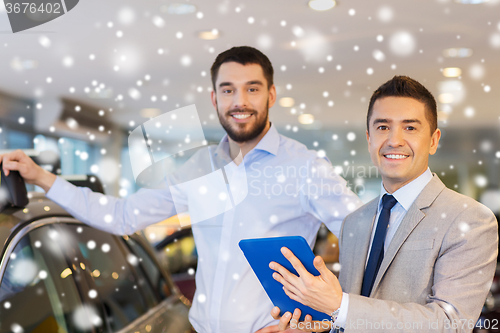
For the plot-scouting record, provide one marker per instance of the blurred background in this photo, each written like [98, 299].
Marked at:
[76, 86]
[73, 89]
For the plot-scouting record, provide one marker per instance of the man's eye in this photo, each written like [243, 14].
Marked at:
[382, 127]
[227, 91]
[410, 128]
[252, 89]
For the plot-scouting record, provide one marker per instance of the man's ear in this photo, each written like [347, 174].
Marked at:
[213, 97]
[435, 141]
[272, 96]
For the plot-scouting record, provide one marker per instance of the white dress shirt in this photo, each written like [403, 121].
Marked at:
[290, 192]
[405, 196]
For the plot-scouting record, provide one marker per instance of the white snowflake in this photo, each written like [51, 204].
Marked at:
[402, 43]
[133, 260]
[24, 271]
[44, 41]
[105, 248]
[85, 317]
[385, 14]
[202, 298]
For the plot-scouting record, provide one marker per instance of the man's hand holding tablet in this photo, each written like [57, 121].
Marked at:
[307, 289]
[291, 321]
[294, 282]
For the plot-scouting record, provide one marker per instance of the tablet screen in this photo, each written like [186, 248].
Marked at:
[261, 251]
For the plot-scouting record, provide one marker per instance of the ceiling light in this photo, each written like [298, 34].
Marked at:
[446, 98]
[471, 2]
[150, 113]
[457, 52]
[452, 72]
[306, 119]
[178, 8]
[287, 102]
[20, 65]
[321, 5]
[209, 34]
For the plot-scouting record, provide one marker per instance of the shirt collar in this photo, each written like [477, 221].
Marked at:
[270, 142]
[408, 193]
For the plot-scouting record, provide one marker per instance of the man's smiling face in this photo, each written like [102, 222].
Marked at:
[400, 140]
[242, 99]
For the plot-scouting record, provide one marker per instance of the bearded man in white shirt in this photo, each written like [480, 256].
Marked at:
[291, 191]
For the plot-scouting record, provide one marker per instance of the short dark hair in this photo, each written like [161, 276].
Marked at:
[404, 86]
[243, 55]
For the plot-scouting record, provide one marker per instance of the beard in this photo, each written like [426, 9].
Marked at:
[237, 132]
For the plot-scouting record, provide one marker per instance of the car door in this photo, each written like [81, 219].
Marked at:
[40, 289]
[172, 312]
[129, 298]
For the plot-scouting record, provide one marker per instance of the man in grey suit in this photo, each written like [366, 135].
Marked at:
[420, 257]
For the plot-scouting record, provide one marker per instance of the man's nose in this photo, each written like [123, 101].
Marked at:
[240, 100]
[396, 138]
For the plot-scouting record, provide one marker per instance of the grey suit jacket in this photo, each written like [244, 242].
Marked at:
[436, 272]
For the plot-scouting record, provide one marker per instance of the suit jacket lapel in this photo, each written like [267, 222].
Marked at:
[359, 248]
[408, 224]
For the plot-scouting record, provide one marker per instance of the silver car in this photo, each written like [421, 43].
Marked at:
[59, 275]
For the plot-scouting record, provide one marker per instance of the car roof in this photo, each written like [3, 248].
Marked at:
[14, 219]
[15, 213]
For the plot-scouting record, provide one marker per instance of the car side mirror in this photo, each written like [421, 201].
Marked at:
[12, 190]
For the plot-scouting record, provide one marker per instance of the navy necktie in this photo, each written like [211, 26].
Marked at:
[377, 250]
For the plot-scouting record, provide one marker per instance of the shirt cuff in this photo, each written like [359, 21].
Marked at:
[57, 192]
[342, 317]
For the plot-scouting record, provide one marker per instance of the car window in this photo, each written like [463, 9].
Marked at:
[38, 291]
[181, 255]
[151, 270]
[150, 295]
[116, 283]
